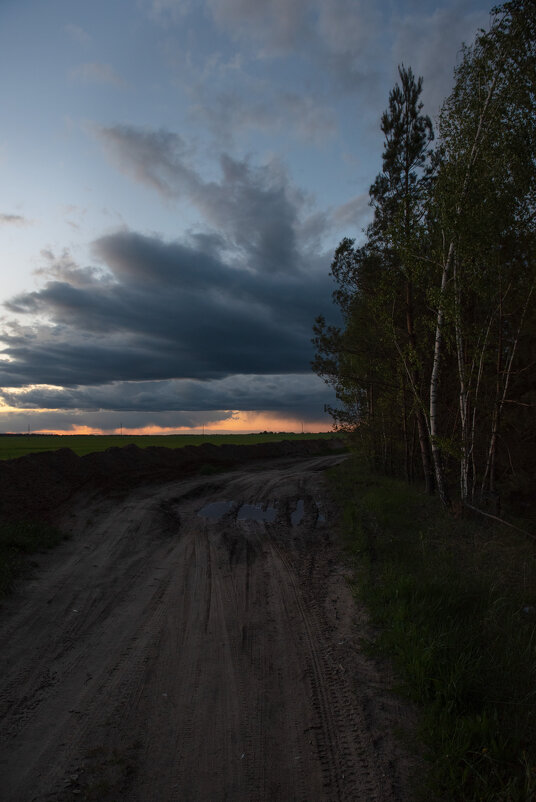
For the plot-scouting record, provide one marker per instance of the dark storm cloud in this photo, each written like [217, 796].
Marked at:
[162, 311]
[303, 395]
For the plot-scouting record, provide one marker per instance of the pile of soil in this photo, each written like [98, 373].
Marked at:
[37, 485]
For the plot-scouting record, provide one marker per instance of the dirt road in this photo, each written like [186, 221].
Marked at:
[197, 642]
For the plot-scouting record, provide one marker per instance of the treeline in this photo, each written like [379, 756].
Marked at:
[434, 364]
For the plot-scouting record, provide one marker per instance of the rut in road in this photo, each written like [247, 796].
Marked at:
[196, 641]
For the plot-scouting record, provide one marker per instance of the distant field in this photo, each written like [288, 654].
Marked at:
[12, 446]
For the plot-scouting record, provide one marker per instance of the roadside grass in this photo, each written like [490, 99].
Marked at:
[453, 602]
[17, 541]
[12, 446]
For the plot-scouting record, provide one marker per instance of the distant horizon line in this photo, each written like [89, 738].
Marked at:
[166, 434]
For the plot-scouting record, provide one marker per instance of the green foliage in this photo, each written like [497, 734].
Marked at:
[433, 361]
[17, 541]
[460, 627]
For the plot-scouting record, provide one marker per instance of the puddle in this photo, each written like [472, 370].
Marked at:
[297, 515]
[321, 517]
[254, 512]
[216, 510]
[248, 512]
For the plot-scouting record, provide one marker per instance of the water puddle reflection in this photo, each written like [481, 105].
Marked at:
[254, 512]
[216, 510]
[297, 516]
[247, 512]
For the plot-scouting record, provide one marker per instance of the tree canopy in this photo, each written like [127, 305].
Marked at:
[432, 365]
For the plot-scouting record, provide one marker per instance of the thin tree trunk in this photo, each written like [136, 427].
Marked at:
[437, 456]
[412, 453]
[424, 440]
[463, 395]
[489, 474]
[405, 431]
[475, 407]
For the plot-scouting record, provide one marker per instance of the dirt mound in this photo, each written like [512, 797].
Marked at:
[38, 484]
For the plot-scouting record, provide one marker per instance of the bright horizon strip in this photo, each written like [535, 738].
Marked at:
[240, 423]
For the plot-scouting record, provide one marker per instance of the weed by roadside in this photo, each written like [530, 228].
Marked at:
[18, 540]
[454, 602]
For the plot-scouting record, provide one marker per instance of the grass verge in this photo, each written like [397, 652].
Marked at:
[454, 603]
[17, 541]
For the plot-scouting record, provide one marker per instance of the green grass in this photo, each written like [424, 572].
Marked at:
[454, 602]
[12, 446]
[18, 540]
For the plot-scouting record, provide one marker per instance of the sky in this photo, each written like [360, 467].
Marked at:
[175, 176]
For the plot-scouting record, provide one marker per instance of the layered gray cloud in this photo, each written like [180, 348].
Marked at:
[301, 395]
[108, 421]
[160, 311]
[257, 211]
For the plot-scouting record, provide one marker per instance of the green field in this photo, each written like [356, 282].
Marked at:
[12, 446]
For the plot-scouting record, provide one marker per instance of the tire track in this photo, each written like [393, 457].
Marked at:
[200, 662]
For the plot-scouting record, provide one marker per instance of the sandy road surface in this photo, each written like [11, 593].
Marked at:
[179, 647]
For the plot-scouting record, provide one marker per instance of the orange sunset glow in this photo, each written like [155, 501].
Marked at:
[239, 423]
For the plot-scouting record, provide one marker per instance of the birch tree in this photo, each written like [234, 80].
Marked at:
[485, 191]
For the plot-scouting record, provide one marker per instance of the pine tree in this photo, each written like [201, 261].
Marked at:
[398, 195]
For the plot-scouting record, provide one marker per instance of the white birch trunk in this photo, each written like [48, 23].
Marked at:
[440, 317]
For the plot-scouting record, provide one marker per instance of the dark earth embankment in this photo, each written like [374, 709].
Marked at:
[37, 484]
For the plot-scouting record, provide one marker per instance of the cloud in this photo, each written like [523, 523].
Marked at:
[161, 310]
[258, 401]
[257, 211]
[285, 394]
[219, 320]
[355, 213]
[429, 41]
[97, 73]
[14, 220]
[107, 421]
[256, 106]
[278, 24]
[335, 43]
[165, 9]
[339, 38]
[154, 158]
